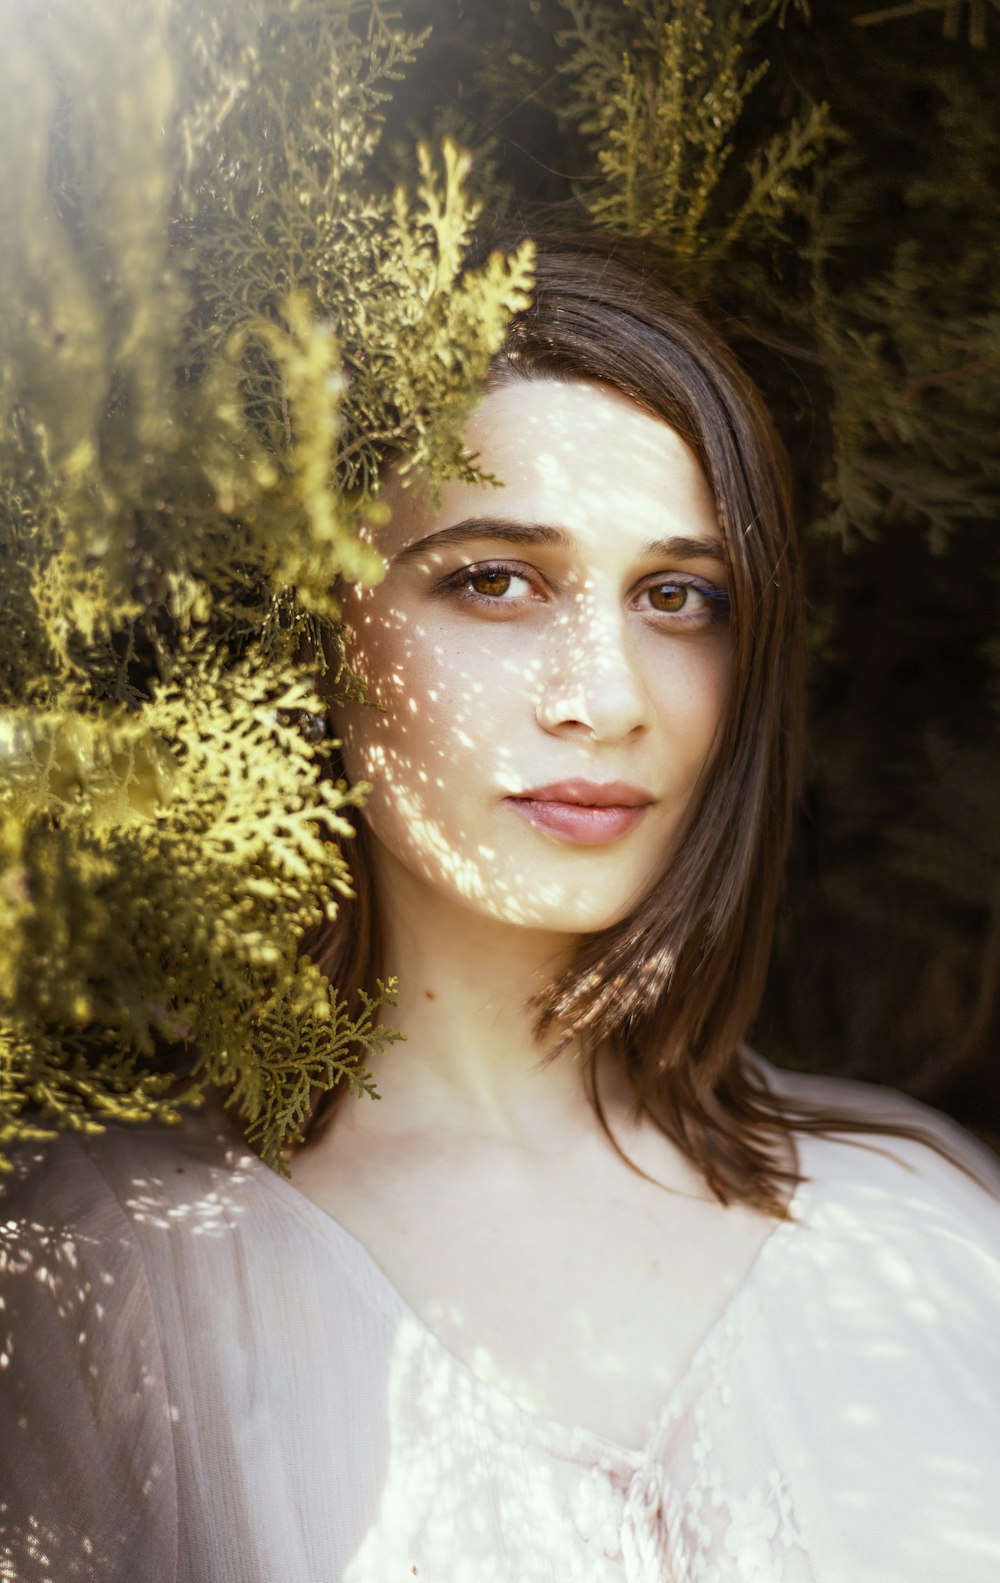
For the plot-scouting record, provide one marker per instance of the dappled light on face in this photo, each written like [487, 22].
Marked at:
[566, 627]
[442, 854]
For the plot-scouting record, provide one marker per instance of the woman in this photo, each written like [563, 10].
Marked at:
[591, 1292]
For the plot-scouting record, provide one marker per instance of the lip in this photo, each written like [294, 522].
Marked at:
[584, 813]
[590, 794]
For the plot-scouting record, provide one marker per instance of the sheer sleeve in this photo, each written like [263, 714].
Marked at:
[87, 1478]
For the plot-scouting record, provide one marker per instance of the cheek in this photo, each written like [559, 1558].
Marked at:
[440, 702]
[375, 649]
[690, 696]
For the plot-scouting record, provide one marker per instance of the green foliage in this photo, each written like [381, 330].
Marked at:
[160, 867]
[913, 351]
[230, 250]
[659, 90]
[303, 1052]
[214, 316]
[955, 13]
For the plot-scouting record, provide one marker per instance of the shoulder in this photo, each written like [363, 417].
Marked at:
[87, 1454]
[940, 1154]
[99, 1186]
[84, 1219]
[77, 1214]
[874, 1357]
[921, 1209]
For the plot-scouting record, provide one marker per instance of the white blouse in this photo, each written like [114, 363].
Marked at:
[205, 1379]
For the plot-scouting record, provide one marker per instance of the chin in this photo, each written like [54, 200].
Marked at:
[513, 887]
[584, 912]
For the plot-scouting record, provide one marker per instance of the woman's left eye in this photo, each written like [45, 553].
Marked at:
[693, 604]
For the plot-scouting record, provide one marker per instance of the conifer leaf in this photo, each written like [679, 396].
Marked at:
[659, 88]
[215, 317]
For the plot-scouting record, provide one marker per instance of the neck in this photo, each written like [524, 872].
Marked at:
[471, 1060]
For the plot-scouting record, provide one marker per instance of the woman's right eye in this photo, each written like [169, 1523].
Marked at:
[491, 585]
[488, 585]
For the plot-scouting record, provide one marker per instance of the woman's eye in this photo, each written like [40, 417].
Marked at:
[693, 604]
[672, 596]
[491, 585]
[486, 585]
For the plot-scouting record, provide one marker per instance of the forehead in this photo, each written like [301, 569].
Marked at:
[573, 454]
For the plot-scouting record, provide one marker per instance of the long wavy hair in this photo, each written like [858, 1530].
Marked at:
[673, 987]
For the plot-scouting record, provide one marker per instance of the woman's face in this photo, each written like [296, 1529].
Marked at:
[551, 659]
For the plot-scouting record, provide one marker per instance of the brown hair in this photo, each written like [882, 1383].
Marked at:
[673, 987]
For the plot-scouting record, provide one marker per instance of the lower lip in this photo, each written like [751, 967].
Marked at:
[577, 822]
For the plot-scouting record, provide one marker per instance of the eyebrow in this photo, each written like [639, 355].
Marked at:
[679, 547]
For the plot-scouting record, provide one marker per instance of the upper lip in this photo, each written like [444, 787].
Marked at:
[590, 794]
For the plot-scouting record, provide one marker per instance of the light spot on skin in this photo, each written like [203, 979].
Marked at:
[578, 677]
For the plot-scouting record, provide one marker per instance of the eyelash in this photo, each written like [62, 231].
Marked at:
[714, 613]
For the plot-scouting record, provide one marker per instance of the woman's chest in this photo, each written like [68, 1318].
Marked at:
[582, 1300]
[837, 1437]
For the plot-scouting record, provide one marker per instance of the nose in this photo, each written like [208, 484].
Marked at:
[591, 684]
